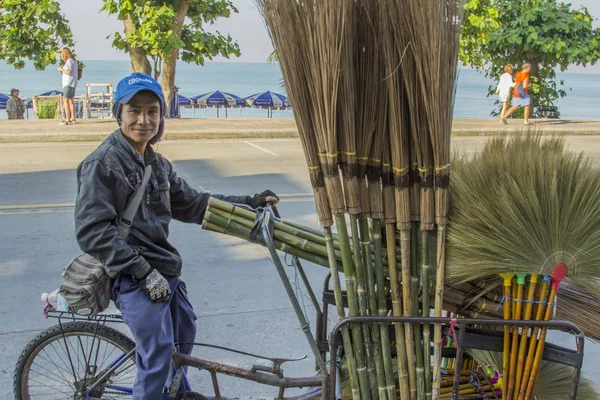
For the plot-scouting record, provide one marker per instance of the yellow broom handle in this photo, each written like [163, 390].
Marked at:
[515, 338]
[507, 312]
[541, 307]
[559, 272]
[533, 279]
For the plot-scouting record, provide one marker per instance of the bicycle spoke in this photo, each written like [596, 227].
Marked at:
[74, 358]
[56, 365]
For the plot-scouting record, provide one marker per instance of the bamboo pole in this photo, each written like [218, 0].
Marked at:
[426, 311]
[353, 305]
[339, 301]
[420, 372]
[382, 310]
[397, 310]
[365, 241]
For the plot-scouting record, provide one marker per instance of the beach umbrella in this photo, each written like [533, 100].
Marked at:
[184, 101]
[219, 99]
[3, 99]
[268, 100]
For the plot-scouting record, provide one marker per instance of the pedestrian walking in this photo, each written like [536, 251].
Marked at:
[145, 266]
[14, 106]
[504, 88]
[69, 83]
[521, 93]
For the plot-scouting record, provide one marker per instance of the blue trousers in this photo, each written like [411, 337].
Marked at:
[155, 327]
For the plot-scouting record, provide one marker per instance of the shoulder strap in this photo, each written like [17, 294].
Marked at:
[129, 214]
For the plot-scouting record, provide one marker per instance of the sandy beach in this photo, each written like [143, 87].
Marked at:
[32, 131]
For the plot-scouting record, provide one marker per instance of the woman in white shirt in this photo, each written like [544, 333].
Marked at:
[69, 83]
[504, 87]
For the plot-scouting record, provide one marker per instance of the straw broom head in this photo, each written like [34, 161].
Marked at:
[524, 204]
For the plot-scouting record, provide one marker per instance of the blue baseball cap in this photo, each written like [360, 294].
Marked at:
[132, 85]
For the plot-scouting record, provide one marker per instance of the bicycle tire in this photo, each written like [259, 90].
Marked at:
[73, 334]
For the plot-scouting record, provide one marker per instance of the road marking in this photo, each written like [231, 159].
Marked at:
[29, 206]
[33, 209]
[261, 149]
[29, 212]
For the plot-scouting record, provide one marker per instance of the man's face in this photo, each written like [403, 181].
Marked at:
[140, 117]
[15, 93]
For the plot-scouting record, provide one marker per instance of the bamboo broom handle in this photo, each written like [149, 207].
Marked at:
[420, 370]
[541, 307]
[382, 309]
[365, 244]
[514, 345]
[407, 302]
[390, 231]
[507, 279]
[533, 279]
[361, 292]
[350, 275]
[559, 273]
[337, 290]
[425, 313]
[437, 312]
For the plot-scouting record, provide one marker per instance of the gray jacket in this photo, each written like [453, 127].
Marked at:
[106, 181]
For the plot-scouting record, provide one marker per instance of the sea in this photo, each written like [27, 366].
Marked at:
[244, 79]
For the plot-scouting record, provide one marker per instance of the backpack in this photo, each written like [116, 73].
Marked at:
[86, 285]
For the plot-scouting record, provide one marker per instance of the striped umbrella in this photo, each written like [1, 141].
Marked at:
[219, 99]
[268, 100]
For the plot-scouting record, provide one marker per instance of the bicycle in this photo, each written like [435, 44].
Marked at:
[104, 362]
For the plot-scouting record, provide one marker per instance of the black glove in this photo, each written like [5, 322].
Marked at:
[156, 286]
[260, 199]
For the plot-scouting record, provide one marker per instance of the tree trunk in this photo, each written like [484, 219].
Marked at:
[170, 61]
[139, 61]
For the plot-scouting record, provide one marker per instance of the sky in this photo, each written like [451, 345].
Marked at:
[90, 29]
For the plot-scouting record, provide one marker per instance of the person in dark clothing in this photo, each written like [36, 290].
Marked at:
[146, 268]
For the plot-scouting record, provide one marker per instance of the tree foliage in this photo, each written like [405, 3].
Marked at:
[32, 30]
[154, 28]
[546, 33]
[168, 30]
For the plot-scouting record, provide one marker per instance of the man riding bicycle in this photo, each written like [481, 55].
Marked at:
[146, 268]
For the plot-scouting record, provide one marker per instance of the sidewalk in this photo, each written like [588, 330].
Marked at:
[31, 131]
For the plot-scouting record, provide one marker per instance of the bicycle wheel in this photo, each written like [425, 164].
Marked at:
[63, 361]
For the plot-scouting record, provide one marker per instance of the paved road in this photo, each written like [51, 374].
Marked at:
[233, 285]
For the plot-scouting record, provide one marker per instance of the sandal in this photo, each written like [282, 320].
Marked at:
[64, 122]
[72, 122]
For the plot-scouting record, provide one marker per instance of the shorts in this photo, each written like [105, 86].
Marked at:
[503, 97]
[68, 92]
[521, 101]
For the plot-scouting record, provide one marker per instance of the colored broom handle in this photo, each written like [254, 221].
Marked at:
[559, 272]
[515, 337]
[507, 313]
[533, 279]
[532, 344]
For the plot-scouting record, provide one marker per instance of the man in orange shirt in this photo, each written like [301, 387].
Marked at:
[521, 93]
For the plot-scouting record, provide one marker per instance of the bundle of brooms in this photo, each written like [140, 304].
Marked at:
[372, 84]
[482, 297]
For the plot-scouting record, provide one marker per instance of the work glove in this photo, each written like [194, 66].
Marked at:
[156, 286]
[260, 199]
